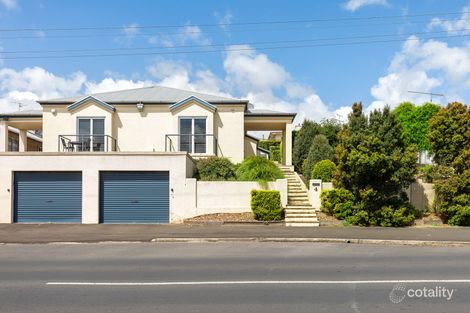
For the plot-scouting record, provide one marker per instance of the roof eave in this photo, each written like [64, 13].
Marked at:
[79, 103]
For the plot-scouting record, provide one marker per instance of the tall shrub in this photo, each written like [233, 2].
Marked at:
[319, 150]
[303, 141]
[450, 141]
[375, 164]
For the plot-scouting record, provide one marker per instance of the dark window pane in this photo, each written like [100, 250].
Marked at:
[199, 126]
[98, 135]
[185, 134]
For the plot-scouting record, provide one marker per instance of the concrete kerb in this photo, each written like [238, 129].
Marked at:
[314, 240]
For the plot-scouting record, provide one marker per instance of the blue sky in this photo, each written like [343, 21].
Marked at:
[318, 82]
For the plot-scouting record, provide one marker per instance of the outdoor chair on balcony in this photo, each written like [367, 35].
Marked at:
[67, 146]
[84, 144]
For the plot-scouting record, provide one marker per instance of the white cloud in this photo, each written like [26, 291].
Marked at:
[224, 20]
[268, 85]
[424, 66]
[249, 70]
[9, 4]
[30, 84]
[461, 25]
[180, 74]
[185, 35]
[110, 84]
[131, 30]
[354, 5]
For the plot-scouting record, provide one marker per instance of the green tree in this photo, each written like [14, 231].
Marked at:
[450, 133]
[319, 150]
[330, 128]
[303, 141]
[415, 122]
[375, 164]
[450, 141]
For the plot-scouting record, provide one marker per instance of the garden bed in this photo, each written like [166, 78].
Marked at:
[222, 217]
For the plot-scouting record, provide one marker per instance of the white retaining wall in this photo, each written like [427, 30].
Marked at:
[231, 197]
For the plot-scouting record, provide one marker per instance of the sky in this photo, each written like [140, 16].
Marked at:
[315, 58]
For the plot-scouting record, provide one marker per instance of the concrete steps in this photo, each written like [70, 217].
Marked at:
[299, 212]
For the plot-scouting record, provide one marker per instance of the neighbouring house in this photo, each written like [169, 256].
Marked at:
[33, 141]
[275, 135]
[124, 156]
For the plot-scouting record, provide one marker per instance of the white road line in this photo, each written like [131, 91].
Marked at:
[258, 282]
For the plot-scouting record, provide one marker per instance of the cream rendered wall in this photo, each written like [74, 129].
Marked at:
[230, 131]
[145, 131]
[230, 196]
[250, 147]
[142, 131]
[64, 122]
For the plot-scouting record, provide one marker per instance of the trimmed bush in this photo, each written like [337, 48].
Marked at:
[215, 168]
[340, 204]
[323, 170]
[266, 205]
[258, 169]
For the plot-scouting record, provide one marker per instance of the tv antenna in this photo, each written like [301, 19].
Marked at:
[430, 94]
[20, 105]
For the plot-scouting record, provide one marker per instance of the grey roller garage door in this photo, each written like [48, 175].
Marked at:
[134, 197]
[48, 197]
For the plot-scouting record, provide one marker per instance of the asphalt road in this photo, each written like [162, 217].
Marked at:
[233, 277]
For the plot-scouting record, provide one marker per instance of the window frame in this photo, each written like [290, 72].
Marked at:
[192, 143]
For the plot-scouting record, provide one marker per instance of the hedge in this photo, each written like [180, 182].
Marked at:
[266, 205]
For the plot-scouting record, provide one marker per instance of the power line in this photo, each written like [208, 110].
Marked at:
[39, 34]
[316, 20]
[229, 49]
[230, 44]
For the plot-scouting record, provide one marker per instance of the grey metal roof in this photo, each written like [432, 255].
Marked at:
[152, 94]
[25, 113]
[254, 112]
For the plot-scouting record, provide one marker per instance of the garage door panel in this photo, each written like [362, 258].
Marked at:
[44, 197]
[134, 197]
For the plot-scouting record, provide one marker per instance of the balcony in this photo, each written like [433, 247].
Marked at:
[196, 145]
[86, 143]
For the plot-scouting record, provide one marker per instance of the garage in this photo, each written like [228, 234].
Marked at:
[134, 197]
[48, 197]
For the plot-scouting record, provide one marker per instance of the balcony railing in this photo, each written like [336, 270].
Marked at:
[86, 143]
[194, 144]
